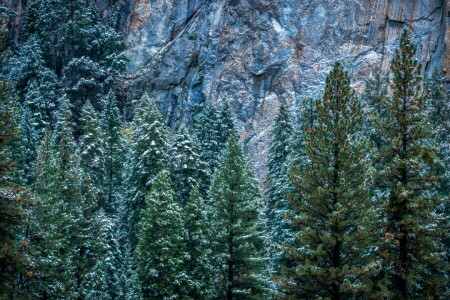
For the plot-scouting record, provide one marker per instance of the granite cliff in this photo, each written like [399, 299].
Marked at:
[259, 53]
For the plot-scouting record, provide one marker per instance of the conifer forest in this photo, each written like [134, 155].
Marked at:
[101, 197]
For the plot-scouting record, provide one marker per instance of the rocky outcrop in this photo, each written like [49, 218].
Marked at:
[259, 53]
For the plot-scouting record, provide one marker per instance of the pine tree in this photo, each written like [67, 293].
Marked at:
[187, 170]
[333, 220]
[26, 147]
[225, 125]
[129, 282]
[92, 152]
[412, 248]
[206, 132]
[83, 53]
[277, 186]
[149, 146]
[67, 235]
[197, 243]
[161, 251]
[239, 250]
[114, 152]
[11, 260]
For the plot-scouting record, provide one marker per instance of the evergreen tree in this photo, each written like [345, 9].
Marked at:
[129, 281]
[160, 250]
[412, 248]
[277, 186]
[238, 228]
[206, 132]
[439, 109]
[67, 235]
[197, 243]
[92, 152]
[333, 220]
[11, 260]
[148, 157]
[225, 125]
[188, 170]
[82, 52]
[26, 147]
[114, 152]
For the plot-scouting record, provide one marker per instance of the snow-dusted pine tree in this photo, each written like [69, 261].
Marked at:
[277, 204]
[187, 168]
[148, 156]
[160, 251]
[114, 152]
[92, 152]
[239, 250]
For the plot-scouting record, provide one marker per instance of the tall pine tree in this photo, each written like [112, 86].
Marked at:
[239, 248]
[114, 152]
[332, 220]
[188, 171]
[148, 156]
[412, 248]
[160, 250]
[277, 186]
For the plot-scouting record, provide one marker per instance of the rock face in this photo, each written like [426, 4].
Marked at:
[258, 53]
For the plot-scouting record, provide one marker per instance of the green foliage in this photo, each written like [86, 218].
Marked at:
[148, 156]
[333, 218]
[12, 261]
[160, 249]
[412, 248]
[188, 171]
[239, 251]
[277, 187]
[114, 152]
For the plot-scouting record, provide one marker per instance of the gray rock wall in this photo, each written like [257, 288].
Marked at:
[259, 53]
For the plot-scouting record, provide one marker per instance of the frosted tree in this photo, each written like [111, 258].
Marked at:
[26, 147]
[114, 152]
[277, 186]
[187, 168]
[206, 132]
[198, 247]
[92, 152]
[160, 250]
[149, 147]
[333, 218]
[239, 251]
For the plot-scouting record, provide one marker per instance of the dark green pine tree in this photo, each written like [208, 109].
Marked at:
[277, 186]
[333, 218]
[187, 168]
[26, 147]
[239, 250]
[160, 251]
[35, 83]
[206, 132]
[130, 285]
[11, 259]
[148, 156]
[114, 152]
[225, 125]
[412, 248]
[439, 107]
[198, 247]
[82, 51]
[67, 232]
[92, 152]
